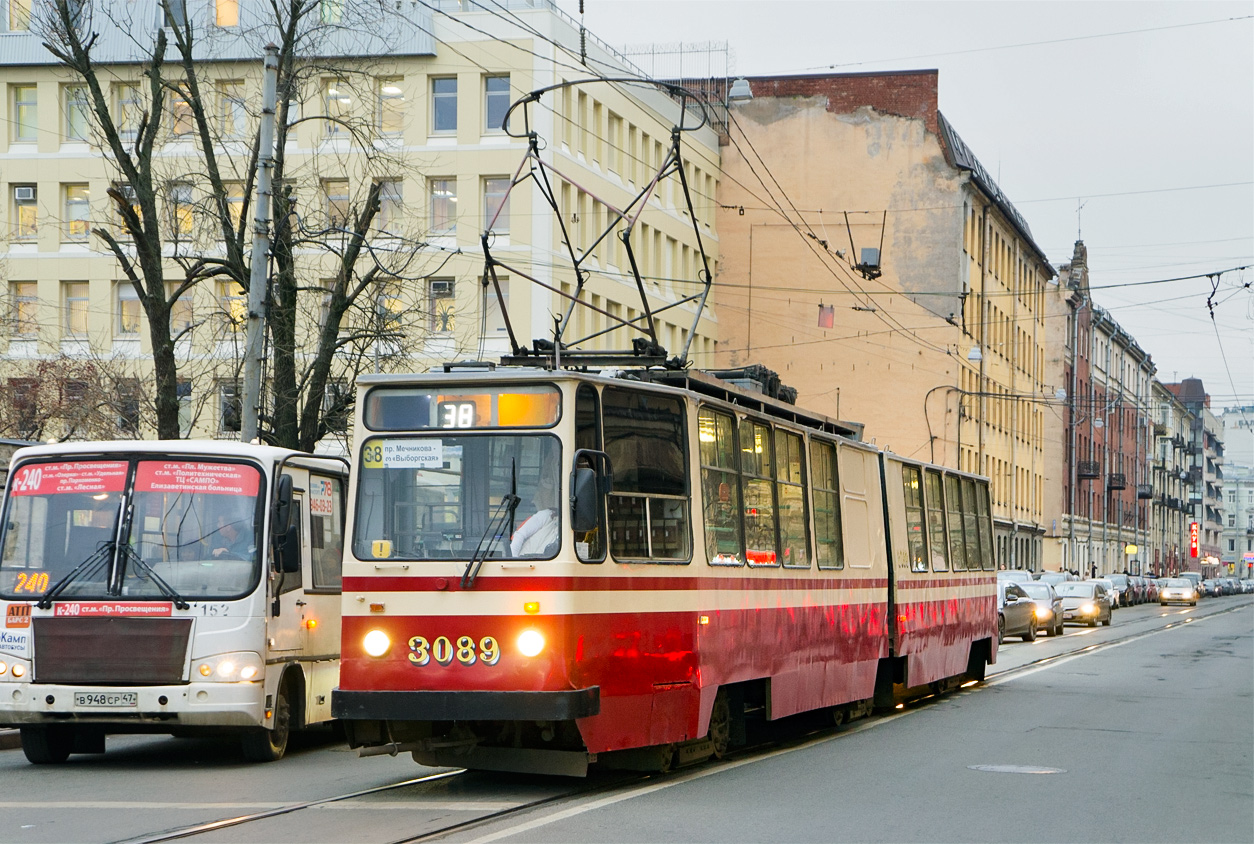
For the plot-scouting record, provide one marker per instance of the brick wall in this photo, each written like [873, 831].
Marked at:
[905, 93]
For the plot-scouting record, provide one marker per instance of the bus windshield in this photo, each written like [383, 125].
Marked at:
[191, 525]
[444, 497]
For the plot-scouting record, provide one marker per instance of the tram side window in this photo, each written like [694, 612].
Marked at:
[828, 546]
[971, 525]
[790, 492]
[953, 504]
[589, 547]
[986, 527]
[720, 488]
[757, 468]
[935, 501]
[645, 438]
[326, 531]
[916, 539]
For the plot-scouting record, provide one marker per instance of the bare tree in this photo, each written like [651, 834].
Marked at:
[166, 256]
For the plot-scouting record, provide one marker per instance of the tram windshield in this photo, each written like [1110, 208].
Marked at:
[189, 530]
[446, 496]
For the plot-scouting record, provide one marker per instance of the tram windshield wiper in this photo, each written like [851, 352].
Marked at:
[493, 532]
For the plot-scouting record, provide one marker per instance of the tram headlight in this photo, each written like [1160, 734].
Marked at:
[241, 667]
[376, 643]
[530, 643]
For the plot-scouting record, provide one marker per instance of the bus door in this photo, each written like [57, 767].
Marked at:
[323, 551]
[286, 627]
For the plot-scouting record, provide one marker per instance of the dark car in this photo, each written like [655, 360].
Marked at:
[1122, 596]
[1016, 612]
[1086, 602]
[1048, 606]
[1211, 588]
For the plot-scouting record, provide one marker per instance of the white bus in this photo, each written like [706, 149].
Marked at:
[168, 587]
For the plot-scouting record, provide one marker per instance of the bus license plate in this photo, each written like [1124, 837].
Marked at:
[106, 698]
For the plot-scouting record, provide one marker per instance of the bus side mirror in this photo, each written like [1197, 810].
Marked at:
[289, 553]
[584, 500]
[281, 518]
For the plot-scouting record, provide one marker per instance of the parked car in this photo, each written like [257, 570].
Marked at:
[1048, 606]
[1140, 589]
[1211, 588]
[1053, 578]
[1177, 590]
[1109, 586]
[1151, 589]
[1085, 602]
[1122, 595]
[1015, 576]
[1016, 612]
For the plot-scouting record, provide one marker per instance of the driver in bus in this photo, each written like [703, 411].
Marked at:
[229, 540]
[538, 535]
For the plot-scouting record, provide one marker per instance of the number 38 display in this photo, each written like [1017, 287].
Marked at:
[444, 650]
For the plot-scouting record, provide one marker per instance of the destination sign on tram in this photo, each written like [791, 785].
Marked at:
[416, 408]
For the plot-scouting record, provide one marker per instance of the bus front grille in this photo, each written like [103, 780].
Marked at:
[110, 651]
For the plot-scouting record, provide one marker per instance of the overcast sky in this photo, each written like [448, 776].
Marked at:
[1144, 112]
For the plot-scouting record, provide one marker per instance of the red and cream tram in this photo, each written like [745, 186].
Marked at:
[552, 568]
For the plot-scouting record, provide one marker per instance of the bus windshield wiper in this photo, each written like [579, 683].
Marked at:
[492, 533]
[97, 560]
[146, 570]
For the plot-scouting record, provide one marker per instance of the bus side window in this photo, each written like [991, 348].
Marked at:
[326, 531]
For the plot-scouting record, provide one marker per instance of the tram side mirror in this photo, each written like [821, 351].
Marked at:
[585, 500]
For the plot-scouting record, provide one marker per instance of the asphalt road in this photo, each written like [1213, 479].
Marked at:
[1143, 731]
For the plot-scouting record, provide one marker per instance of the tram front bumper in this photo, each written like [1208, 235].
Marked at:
[427, 705]
[186, 705]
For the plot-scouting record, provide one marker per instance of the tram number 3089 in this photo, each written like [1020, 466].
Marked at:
[443, 651]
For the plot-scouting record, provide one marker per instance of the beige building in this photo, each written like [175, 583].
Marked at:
[870, 259]
[1170, 514]
[418, 111]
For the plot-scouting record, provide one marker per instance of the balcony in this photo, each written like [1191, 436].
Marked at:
[1116, 481]
[1088, 470]
[1144, 491]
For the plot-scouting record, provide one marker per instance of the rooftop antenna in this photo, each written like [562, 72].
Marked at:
[1079, 229]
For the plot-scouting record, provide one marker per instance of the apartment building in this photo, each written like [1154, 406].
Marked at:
[870, 258]
[1237, 540]
[1205, 449]
[1170, 511]
[411, 104]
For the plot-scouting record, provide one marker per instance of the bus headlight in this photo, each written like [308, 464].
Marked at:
[240, 667]
[530, 643]
[376, 643]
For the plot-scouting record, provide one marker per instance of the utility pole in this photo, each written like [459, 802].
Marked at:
[259, 277]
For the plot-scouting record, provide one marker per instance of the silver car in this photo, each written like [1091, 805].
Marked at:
[1085, 602]
[1048, 606]
[1176, 590]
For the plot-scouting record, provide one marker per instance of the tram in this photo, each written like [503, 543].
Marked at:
[553, 568]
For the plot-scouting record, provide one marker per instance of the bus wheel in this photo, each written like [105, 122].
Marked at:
[47, 745]
[262, 745]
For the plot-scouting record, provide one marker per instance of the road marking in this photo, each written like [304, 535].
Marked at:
[437, 805]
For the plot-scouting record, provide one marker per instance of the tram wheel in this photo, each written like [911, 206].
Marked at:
[50, 745]
[262, 745]
[720, 724]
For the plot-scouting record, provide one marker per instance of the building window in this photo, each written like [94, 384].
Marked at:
[77, 201]
[496, 205]
[226, 12]
[229, 407]
[234, 203]
[23, 309]
[337, 405]
[335, 194]
[232, 114]
[128, 395]
[180, 310]
[444, 104]
[495, 102]
[233, 303]
[19, 15]
[441, 305]
[390, 119]
[25, 113]
[443, 206]
[77, 109]
[388, 218]
[75, 296]
[172, 13]
[181, 209]
[130, 111]
[495, 308]
[128, 310]
[332, 11]
[337, 105]
[182, 122]
[25, 212]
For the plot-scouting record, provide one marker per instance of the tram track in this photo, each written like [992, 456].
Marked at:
[610, 787]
